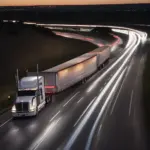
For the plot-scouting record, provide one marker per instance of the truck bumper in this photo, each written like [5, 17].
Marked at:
[24, 114]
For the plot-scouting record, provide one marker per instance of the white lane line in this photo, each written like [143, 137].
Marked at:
[100, 89]
[54, 116]
[70, 99]
[45, 134]
[130, 105]
[128, 56]
[99, 130]
[117, 97]
[5, 122]
[84, 111]
[135, 43]
[102, 110]
[79, 100]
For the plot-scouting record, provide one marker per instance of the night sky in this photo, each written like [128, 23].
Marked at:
[67, 2]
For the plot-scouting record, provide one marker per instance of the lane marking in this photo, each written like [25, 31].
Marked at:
[54, 116]
[5, 122]
[102, 110]
[45, 134]
[70, 99]
[79, 100]
[117, 97]
[135, 43]
[84, 112]
[131, 100]
[100, 89]
[76, 133]
[105, 83]
[133, 30]
[99, 129]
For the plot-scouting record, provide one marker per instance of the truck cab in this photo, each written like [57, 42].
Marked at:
[30, 97]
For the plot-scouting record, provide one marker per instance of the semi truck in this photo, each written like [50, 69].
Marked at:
[30, 97]
[37, 88]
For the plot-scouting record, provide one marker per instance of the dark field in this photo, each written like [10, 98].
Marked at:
[23, 46]
[146, 92]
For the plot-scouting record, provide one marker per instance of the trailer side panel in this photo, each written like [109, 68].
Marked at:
[76, 73]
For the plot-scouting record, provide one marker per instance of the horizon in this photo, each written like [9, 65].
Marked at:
[68, 2]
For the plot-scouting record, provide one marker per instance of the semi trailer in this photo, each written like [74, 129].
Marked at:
[37, 88]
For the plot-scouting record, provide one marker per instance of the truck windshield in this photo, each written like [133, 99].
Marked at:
[26, 93]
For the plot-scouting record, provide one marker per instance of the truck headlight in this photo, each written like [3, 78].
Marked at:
[13, 109]
[33, 105]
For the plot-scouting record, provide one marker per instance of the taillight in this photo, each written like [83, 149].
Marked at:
[49, 87]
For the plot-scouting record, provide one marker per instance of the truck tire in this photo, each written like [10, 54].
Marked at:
[48, 99]
[83, 81]
[107, 61]
[36, 111]
[103, 65]
[99, 68]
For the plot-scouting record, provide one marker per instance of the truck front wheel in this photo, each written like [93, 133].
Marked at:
[36, 111]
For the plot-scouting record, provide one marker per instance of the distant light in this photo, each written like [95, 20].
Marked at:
[14, 21]
[5, 20]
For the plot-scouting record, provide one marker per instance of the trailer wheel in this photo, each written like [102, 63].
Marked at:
[14, 118]
[100, 67]
[107, 61]
[47, 99]
[83, 81]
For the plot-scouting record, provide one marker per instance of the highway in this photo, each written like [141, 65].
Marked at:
[104, 113]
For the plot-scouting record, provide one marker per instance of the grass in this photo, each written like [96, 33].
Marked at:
[23, 46]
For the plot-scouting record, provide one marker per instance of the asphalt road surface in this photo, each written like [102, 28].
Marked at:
[104, 113]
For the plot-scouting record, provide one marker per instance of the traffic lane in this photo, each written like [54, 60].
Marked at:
[122, 61]
[65, 122]
[51, 141]
[67, 119]
[7, 116]
[29, 121]
[70, 104]
[22, 127]
[33, 135]
[86, 130]
[80, 135]
[74, 117]
[123, 127]
[27, 129]
[4, 118]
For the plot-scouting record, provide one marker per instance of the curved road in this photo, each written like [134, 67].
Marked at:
[104, 113]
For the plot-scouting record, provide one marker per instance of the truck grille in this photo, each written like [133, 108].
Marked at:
[23, 106]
